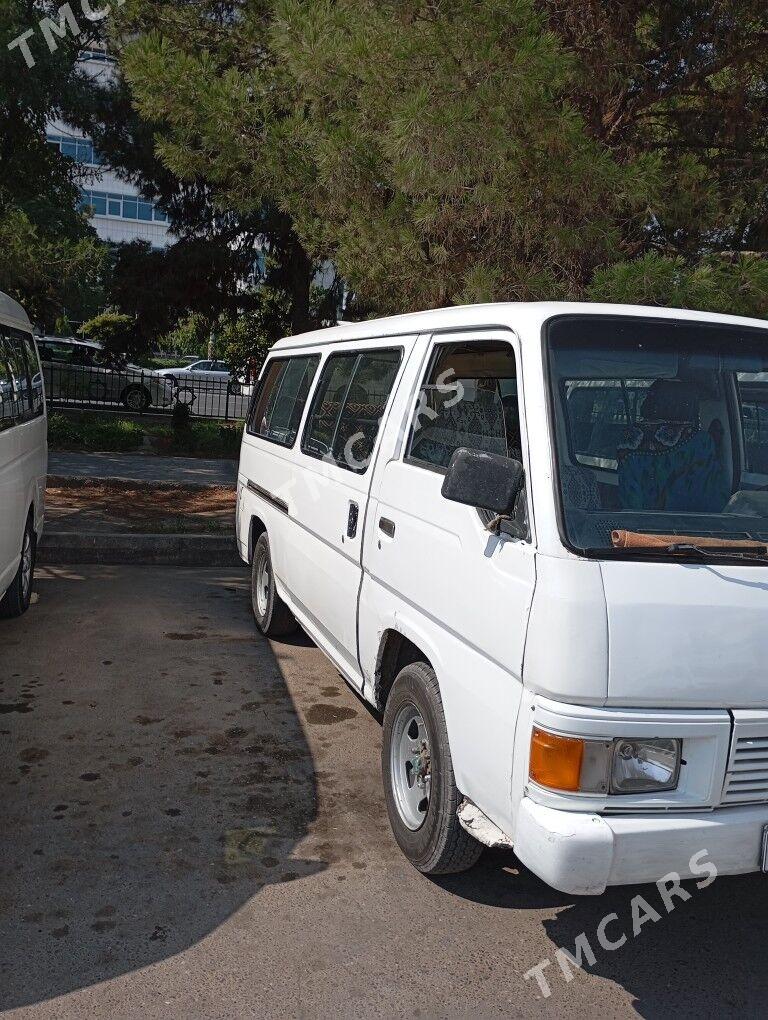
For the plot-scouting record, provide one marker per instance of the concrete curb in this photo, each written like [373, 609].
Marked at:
[62, 547]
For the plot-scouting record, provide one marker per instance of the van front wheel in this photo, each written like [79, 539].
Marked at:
[273, 617]
[419, 786]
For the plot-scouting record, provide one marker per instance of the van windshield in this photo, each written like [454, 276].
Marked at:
[661, 434]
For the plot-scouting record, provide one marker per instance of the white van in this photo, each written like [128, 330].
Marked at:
[535, 538]
[23, 457]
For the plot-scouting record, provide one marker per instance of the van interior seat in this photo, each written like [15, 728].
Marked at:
[477, 424]
[668, 461]
[580, 488]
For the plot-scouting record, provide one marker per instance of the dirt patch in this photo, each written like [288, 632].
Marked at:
[113, 506]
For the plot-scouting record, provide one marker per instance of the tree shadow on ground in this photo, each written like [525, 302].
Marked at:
[704, 958]
[153, 773]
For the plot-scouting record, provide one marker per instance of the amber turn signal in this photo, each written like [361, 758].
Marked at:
[556, 761]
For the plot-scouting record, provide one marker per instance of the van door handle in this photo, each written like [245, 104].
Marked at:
[352, 519]
[387, 526]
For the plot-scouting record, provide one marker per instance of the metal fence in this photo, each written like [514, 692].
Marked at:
[144, 392]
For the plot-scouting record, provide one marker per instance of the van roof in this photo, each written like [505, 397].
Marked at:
[13, 313]
[509, 314]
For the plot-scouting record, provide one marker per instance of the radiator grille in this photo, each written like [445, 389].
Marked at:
[747, 778]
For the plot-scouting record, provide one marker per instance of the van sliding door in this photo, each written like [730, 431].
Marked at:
[329, 497]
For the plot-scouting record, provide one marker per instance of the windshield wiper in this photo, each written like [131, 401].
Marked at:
[690, 550]
[713, 552]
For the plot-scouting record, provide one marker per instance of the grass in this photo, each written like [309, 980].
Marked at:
[117, 435]
[87, 431]
[201, 439]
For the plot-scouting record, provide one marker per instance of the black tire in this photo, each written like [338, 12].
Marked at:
[17, 598]
[272, 616]
[136, 398]
[439, 846]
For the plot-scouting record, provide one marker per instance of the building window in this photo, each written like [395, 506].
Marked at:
[125, 207]
[81, 150]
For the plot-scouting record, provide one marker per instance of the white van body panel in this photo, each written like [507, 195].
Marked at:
[687, 634]
[446, 583]
[23, 466]
[525, 633]
[566, 654]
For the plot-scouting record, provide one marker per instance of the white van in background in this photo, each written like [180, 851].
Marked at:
[535, 538]
[23, 457]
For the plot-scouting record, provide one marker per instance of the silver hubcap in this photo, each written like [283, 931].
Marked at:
[410, 766]
[26, 566]
[135, 400]
[263, 581]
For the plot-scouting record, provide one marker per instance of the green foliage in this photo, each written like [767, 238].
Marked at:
[246, 340]
[201, 439]
[89, 433]
[428, 150]
[191, 335]
[48, 272]
[441, 152]
[736, 286]
[241, 340]
[50, 259]
[115, 332]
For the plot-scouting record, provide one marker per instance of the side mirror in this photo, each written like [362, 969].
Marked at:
[484, 480]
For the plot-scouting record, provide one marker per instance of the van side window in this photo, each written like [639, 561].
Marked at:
[20, 377]
[279, 402]
[35, 374]
[7, 394]
[348, 407]
[468, 399]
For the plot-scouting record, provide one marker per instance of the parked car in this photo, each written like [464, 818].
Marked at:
[23, 457]
[534, 537]
[82, 371]
[199, 374]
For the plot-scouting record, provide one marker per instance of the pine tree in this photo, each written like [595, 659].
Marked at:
[441, 151]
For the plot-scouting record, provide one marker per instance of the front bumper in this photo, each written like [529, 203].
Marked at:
[581, 853]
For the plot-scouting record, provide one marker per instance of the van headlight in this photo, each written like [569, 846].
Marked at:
[625, 765]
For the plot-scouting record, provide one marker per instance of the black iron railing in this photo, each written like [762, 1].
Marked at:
[141, 391]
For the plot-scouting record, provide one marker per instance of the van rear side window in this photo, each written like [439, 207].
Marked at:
[20, 379]
[280, 399]
[7, 391]
[348, 407]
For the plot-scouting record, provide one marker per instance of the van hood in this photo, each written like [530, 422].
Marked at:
[687, 634]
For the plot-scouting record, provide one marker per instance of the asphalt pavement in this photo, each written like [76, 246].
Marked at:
[143, 468]
[193, 827]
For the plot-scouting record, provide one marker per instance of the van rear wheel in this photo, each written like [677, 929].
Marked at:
[16, 600]
[419, 785]
[273, 617]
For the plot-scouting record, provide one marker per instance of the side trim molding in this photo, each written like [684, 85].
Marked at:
[279, 504]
